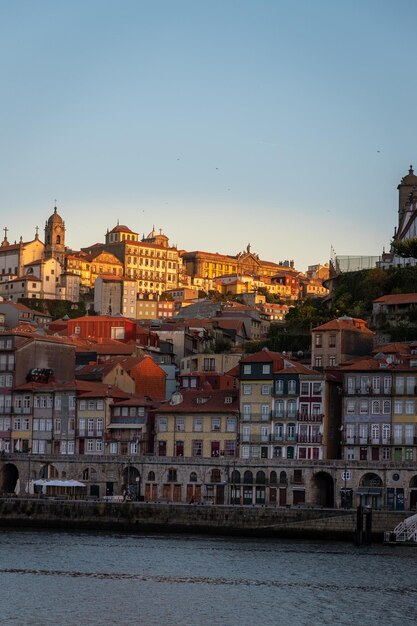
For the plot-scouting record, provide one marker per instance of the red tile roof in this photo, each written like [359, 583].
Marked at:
[203, 401]
[397, 298]
[345, 323]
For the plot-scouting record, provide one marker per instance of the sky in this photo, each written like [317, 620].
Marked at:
[286, 124]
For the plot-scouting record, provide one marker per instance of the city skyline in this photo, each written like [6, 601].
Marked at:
[223, 125]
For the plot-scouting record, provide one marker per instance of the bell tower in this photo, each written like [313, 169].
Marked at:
[55, 237]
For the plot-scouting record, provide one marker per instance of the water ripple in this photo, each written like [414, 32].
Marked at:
[198, 580]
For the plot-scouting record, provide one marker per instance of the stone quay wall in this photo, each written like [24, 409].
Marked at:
[281, 523]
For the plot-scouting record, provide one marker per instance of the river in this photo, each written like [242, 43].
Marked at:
[80, 579]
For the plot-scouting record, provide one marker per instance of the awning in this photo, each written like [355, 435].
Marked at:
[368, 491]
[132, 426]
[58, 483]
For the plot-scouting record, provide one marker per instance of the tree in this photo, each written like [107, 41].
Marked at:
[405, 248]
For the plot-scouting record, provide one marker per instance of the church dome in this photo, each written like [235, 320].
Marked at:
[410, 178]
[55, 218]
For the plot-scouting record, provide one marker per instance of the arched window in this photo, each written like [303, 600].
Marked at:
[58, 240]
[260, 478]
[235, 478]
[248, 478]
[283, 478]
[193, 477]
[215, 476]
[151, 476]
[273, 478]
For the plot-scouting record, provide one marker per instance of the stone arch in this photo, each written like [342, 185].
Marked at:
[283, 480]
[413, 482]
[215, 475]
[413, 493]
[48, 471]
[370, 479]
[131, 480]
[193, 477]
[151, 476]
[260, 478]
[323, 489]
[9, 478]
[273, 479]
[235, 478]
[89, 473]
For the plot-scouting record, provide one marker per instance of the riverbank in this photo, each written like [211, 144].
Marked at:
[252, 521]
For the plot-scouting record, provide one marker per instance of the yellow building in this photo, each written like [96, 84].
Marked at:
[201, 424]
[154, 264]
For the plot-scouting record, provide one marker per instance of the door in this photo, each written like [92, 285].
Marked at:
[109, 488]
[177, 493]
[283, 497]
[215, 448]
[260, 495]
[247, 495]
[273, 495]
[81, 446]
[399, 499]
[220, 494]
[413, 499]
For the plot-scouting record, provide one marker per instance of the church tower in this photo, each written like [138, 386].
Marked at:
[407, 186]
[55, 238]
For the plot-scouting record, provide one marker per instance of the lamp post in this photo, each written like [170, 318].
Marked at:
[28, 484]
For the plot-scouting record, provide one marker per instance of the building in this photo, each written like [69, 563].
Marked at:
[198, 423]
[102, 327]
[152, 262]
[340, 340]
[394, 309]
[115, 295]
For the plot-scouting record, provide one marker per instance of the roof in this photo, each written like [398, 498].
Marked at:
[96, 389]
[203, 401]
[281, 363]
[122, 228]
[397, 298]
[345, 323]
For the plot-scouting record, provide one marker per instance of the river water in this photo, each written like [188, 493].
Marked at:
[81, 579]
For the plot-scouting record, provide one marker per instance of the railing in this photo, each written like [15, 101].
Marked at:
[309, 438]
[305, 417]
[274, 438]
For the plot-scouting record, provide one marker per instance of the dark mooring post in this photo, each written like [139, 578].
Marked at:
[368, 526]
[363, 536]
[359, 527]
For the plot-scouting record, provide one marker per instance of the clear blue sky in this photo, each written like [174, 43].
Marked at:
[287, 124]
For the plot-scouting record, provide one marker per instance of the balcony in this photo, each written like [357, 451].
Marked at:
[257, 417]
[285, 415]
[275, 438]
[309, 438]
[305, 417]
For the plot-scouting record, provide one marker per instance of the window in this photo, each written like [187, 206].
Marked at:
[363, 407]
[83, 405]
[304, 389]
[316, 389]
[318, 361]
[231, 425]
[399, 384]
[375, 433]
[215, 423]
[163, 425]
[247, 410]
[266, 390]
[376, 407]
[409, 407]
[386, 433]
[265, 411]
[279, 408]
[247, 390]
[197, 447]
[332, 341]
[292, 387]
[172, 475]
[247, 369]
[179, 424]
[318, 340]
[266, 369]
[291, 408]
[398, 407]
[90, 445]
